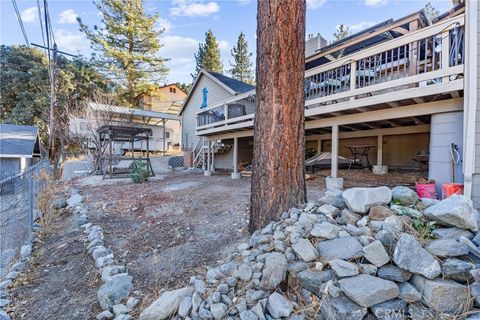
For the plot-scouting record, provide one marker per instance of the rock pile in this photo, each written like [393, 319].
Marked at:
[362, 253]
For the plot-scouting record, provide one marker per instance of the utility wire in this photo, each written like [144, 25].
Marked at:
[20, 21]
[41, 22]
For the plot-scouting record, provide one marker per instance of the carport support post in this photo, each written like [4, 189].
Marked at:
[235, 174]
[164, 137]
[380, 150]
[334, 173]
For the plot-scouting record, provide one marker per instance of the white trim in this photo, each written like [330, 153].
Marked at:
[16, 156]
[470, 101]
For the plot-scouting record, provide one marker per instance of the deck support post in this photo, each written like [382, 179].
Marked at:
[319, 146]
[380, 150]
[164, 138]
[208, 172]
[212, 165]
[334, 173]
[235, 174]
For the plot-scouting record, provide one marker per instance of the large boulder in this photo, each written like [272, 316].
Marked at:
[166, 305]
[423, 262]
[114, 291]
[447, 248]
[334, 198]
[454, 211]
[274, 272]
[278, 306]
[404, 196]
[305, 250]
[457, 270]
[452, 233]
[360, 200]
[344, 248]
[443, 295]
[367, 290]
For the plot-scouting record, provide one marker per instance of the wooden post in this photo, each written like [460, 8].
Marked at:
[110, 152]
[209, 165]
[380, 150]
[235, 174]
[334, 173]
[164, 137]
[319, 146]
[212, 166]
[412, 54]
[353, 77]
[445, 53]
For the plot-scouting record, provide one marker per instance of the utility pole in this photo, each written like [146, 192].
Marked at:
[53, 101]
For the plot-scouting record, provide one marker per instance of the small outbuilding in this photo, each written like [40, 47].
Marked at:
[20, 148]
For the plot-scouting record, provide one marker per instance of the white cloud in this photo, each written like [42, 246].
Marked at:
[193, 8]
[223, 46]
[180, 50]
[71, 41]
[67, 17]
[315, 4]
[362, 25]
[29, 15]
[163, 24]
[244, 2]
[374, 3]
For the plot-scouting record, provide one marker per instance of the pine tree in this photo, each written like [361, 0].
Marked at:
[208, 55]
[242, 68]
[128, 46]
[341, 32]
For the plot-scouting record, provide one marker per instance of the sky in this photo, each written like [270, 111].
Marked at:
[186, 21]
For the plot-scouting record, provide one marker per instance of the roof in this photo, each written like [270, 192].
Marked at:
[231, 85]
[131, 111]
[18, 141]
[234, 84]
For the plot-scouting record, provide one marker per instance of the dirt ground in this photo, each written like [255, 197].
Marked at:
[61, 281]
[173, 226]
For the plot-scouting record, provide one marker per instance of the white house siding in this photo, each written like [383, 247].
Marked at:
[216, 94]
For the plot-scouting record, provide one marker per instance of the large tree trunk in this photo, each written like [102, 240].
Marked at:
[278, 180]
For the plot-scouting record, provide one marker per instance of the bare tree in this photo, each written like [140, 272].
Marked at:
[278, 180]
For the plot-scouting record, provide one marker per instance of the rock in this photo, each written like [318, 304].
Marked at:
[408, 292]
[4, 303]
[452, 233]
[367, 268]
[454, 211]
[59, 203]
[376, 253]
[248, 315]
[204, 313]
[443, 295]
[328, 210]
[325, 230]
[243, 272]
[405, 211]
[123, 317]
[334, 198]
[4, 315]
[394, 273]
[404, 196]
[395, 224]
[307, 219]
[343, 268]
[313, 281]
[104, 315]
[380, 213]
[387, 309]
[114, 291]
[457, 270]
[119, 309]
[427, 202]
[26, 251]
[278, 306]
[274, 272]
[446, 248]
[74, 200]
[386, 237]
[218, 310]
[132, 302]
[342, 308]
[166, 305]
[475, 292]
[345, 248]
[305, 250]
[424, 263]
[111, 271]
[367, 290]
[258, 311]
[360, 200]
[349, 217]
[470, 245]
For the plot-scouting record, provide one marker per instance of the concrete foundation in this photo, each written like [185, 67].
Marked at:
[207, 173]
[334, 183]
[236, 175]
[380, 169]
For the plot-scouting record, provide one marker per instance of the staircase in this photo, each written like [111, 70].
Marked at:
[200, 152]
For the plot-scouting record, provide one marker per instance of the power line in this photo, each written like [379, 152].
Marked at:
[40, 19]
[19, 18]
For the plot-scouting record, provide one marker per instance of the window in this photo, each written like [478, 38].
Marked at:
[167, 135]
[173, 90]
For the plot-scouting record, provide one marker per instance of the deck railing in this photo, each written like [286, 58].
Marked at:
[430, 56]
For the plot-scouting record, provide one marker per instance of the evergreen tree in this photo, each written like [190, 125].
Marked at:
[242, 68]
[341, 32]
[208, 55]
[430, 11]
[128, 45]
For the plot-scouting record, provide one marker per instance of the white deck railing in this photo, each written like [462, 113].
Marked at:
[425, 62]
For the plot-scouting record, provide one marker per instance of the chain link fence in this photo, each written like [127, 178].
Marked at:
[18, 211]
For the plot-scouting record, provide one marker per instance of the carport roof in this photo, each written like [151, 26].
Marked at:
[19, 141]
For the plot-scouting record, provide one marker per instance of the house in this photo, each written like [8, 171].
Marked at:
[20, 148]
[96, 115]
[165, 99]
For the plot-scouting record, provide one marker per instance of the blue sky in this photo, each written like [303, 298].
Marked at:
[185, 23]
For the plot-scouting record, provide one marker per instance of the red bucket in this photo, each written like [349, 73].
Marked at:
[426, 190]
[449, 189]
